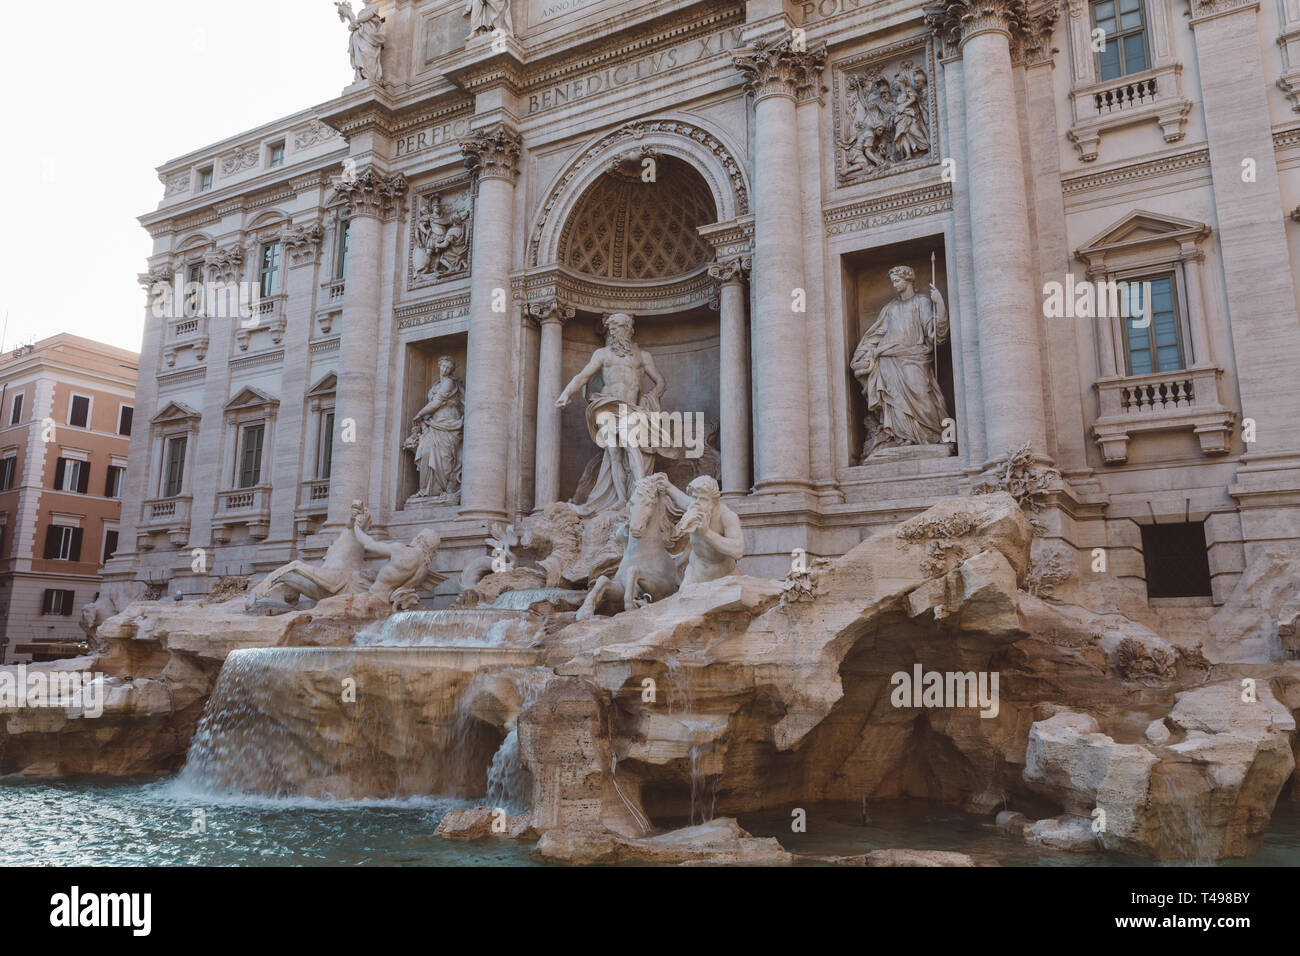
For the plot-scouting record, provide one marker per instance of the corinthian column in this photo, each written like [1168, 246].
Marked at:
[551, 316]
[1005, 295]
[492, 156]
[773, 71]
[734, 393]
[371, 198]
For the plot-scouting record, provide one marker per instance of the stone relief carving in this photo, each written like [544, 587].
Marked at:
[895, 362]
[175, 184]
[492, 152]
[244, 157]
[885, 110]
[224, 265]
[440, 241]
[316, 132]
[366, 42]
[371, 193]
[488, 16]
[437, 437]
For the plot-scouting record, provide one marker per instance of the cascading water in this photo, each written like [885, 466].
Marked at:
[681, 703]
[477, 627]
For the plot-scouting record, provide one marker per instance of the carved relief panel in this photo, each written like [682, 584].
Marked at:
[886, 111]
[440, 234]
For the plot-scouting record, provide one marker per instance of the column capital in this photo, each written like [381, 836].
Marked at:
[493, 152]
[370, 192]
[1033, 43]
[778, 68]
[731, 269]
[550, 310]
[957, 21]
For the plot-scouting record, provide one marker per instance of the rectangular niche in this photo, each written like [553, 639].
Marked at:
[685, 349]
[867, 289]
[420, 374]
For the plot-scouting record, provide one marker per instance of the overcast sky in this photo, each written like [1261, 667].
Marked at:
[99, 94]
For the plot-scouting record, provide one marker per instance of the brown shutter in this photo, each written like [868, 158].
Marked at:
[51, 542]
[75, 552]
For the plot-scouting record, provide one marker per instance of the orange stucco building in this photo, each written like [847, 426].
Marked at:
[66, 415]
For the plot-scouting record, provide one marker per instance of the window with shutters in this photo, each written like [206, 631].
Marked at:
[124, 415]
[79, 411]
[250, 455]
[174, 466]
[71, 475]
[114, 484]
[16, 409]
[110, 544]
[57, 601]
[7, 465]
[62, 543]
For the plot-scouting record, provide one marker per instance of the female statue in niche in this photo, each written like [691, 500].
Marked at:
[437, 436]
[895, 362]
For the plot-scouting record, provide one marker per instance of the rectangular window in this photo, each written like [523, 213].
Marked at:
[174, 467]
[326, 445]
[276, 157]
[1125, 39]
[79, 411]
[124, 416]
[1177, 561]
[341, 260]
[62, 543]
[71, 475]
[7, 465]
[250, 455]
[269, 273]
[16, 410]
[1158, 347]
[194, 277]
[110, 544]
[57, 601]
[114, 482]
[205, 179]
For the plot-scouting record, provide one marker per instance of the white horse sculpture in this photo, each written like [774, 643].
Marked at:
[648, 571]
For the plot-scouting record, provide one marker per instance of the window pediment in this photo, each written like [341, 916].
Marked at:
[250, 398]
[175, 412]
[1142, 238]
[328, 385]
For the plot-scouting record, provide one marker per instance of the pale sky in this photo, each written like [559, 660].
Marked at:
[98, 95]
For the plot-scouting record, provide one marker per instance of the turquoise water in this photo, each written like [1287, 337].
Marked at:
[156, 823]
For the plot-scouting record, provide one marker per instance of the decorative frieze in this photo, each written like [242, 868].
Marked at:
[175, 184]
[426, 313]
[493, 153]
[313, 134]
[885, 109]
[244, 157]
[929, 200]
[779, 68]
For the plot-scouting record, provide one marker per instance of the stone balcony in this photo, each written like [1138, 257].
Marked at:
[169, 516]
[1150, 96]
[268, 315]
[185, 333]
[1165, 401]
[313, 505]
[246, 507]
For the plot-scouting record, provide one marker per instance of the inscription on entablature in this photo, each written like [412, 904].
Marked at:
[814, 11]
[432, 136]
[569, 92]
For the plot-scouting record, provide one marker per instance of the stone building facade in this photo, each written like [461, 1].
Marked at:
[67, 407]
[741, 177]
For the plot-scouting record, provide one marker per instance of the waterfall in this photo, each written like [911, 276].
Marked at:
[478, 627]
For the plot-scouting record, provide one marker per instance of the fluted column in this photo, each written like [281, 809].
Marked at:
[1005, 296]
[372, 197]
[773, 71]
[492, 155]
[551, 316]
[733, 398]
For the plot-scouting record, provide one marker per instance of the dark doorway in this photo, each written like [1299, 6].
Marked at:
[1177, 562]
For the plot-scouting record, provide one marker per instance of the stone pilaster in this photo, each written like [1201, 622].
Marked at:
[371, 198]
[550, 316]
[774, 73]
[733, 396]
[1006, 300]
[492, 156]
